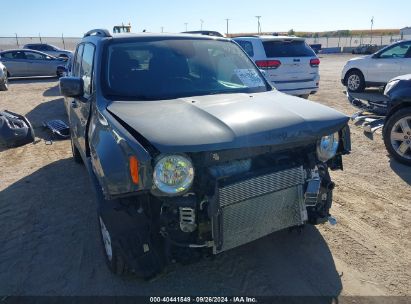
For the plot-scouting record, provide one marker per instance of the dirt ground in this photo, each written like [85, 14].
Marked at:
[50, 244]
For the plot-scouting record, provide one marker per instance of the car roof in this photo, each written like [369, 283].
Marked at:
[271, 38]
[145, 35]
[166, 35]
[25, 50]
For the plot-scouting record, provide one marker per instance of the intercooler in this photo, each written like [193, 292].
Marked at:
[252, 208]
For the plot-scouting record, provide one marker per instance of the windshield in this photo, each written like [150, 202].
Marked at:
[173, 68]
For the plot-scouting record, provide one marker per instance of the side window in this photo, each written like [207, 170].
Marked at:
[398, 51]
[48, 48]
[34, 56]
[77, 61]
[86, 71]
[247, 46]
[18, 55]
[8, 55]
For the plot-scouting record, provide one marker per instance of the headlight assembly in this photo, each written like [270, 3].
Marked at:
[390, 85]
[327, 147]
[173, 174]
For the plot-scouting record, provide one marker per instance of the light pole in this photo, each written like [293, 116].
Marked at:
[227, 25]
[201, 22]
[185, 23]
[258, 24]
[162, 29]
[372, 23]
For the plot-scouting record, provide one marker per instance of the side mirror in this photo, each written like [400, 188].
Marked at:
[71, 86]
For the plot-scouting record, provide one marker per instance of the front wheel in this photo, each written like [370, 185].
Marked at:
[397, 136]
[355, 82]
[5, 85]
[114, 258]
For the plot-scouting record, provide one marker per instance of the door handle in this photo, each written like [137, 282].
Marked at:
[74, 104]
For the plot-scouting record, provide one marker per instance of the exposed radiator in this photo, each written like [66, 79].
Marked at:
[256, 207]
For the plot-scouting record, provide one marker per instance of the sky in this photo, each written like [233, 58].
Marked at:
[75, 17]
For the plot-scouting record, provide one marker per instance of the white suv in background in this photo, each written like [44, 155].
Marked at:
[289, 63]
[377, 69]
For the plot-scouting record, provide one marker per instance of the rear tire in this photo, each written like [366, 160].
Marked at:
[305, 96]
[397, 136]
[354, 81]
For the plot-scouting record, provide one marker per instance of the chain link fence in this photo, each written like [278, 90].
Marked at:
[345, 43]
[67, 43]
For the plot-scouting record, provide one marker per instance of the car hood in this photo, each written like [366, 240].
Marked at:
[227, 121]
[356, 59]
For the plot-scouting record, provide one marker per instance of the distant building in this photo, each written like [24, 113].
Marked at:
[406, 31]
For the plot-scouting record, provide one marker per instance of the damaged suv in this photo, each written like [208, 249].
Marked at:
[190, 150]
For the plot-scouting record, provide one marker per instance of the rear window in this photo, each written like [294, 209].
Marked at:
[287, 48]
[247, 46]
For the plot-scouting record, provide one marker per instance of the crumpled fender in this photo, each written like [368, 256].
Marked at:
[111, 146]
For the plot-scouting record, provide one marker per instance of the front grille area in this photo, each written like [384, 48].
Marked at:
[256, 207]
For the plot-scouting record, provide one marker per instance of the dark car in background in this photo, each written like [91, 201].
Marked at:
[365, 49]
[191, 151]
[49, 49]
[23, 63]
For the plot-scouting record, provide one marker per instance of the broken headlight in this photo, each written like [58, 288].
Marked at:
[327, 147]
[173, 174]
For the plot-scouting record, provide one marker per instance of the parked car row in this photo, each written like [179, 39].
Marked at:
[389, 67]
[377, 69]
[35, 59]
[23, 63]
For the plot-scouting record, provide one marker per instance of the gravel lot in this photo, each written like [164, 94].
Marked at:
[50, 244]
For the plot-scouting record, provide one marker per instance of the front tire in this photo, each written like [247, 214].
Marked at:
[114, 259]
[5, 85]
[355, 81]
[397, 136]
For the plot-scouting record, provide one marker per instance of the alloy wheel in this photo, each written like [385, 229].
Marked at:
[353, 82]
[400, 137]
[106, 240]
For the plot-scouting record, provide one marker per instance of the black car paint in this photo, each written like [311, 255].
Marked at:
[107, 132]
[399, 95]
[100, 133]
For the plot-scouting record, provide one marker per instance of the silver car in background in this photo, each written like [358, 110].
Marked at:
[23, 63]
[3, 78]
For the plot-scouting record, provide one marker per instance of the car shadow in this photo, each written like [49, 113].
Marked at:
[53, 109]
[401, 170]
[52, 91]
[51, 246]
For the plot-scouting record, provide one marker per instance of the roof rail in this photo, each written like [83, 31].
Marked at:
[98, 32]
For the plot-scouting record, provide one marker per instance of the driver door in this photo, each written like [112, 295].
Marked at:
[388, 63]
[79, 107]
[40, 64]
